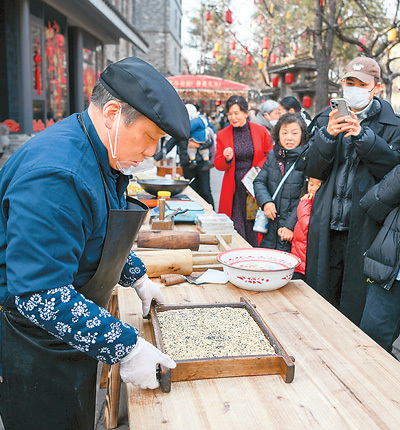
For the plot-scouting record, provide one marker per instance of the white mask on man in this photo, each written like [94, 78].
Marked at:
[356, 97]
[125, 167]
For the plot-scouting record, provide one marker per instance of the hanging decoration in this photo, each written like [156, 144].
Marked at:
[249, 59]
[289, 78]
[208, 16]
[275, 81]
[271, 8]
[362, 40]
[264, 52]
[260, 19]
[265, 42]
[216, 47]
[272, 57]
[392, 35]
[233, 45]
[307, 102]
[261, 65]
[228, 17]
[38, 82]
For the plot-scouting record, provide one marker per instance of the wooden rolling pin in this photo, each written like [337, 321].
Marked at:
[174, 239]
[175, 261]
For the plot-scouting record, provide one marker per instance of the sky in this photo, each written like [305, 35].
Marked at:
[241, 14]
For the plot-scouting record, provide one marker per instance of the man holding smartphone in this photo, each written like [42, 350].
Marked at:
[349, 154]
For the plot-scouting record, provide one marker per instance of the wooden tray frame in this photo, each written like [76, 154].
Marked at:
[223, 367]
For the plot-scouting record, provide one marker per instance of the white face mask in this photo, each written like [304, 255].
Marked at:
[125, 167]
[356, 97]
[273, 122]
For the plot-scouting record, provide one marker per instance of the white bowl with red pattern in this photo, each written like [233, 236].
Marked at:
[258, 269]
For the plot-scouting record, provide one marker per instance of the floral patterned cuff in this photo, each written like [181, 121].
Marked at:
[79, 322]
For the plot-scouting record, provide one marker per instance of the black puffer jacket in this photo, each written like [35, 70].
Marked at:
[287, 199]
[375, 153]
[382, 202]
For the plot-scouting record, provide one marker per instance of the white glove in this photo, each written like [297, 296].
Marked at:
[139, 366]
[147, 291]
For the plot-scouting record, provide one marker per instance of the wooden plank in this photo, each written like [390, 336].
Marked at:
[112, 398]
[343, 379]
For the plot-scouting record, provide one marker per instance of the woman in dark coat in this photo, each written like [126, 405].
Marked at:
[381, 316]
[282, 212]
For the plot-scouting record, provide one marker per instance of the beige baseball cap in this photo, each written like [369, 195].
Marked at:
[363, 68]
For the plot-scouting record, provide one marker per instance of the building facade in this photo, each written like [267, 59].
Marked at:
[159, 22]
[54, 51]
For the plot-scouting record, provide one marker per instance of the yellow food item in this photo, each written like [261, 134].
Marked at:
[134, 188]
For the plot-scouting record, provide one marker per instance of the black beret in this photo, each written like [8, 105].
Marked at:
[135, 82]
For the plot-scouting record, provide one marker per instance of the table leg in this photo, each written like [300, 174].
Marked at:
[111, 378]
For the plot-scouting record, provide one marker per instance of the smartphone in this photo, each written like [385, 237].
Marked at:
[341, 106]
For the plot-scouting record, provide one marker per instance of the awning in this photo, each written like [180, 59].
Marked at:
[101, 19]
[209, 87]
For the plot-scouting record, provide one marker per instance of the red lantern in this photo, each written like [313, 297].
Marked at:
[233, 45]
[208, 16]
[272, 57]
[228, 17]
[307, 102]
[265, 43]
[249, 60]
[214, 53]
[288, 78]
[232, 57]
[275, 81]
[362, 40]
[260, 19]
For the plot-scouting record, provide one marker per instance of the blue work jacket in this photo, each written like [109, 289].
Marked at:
[53, 215]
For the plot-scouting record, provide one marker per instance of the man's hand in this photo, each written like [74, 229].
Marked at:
[228, 153]
[270, 210]
[147, 291]
[139, 366]
[352, 127]
[347, 124]
[285, 234]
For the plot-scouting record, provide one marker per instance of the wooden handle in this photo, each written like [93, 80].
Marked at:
[161, 207]
[169, 239]
[172, 279]
[208, 239]
[168, 261]
[204, 259]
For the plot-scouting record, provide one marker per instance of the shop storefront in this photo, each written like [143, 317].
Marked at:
[54, 53]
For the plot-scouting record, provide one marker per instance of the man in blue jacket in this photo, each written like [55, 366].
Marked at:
[66, 232]
[349, 154]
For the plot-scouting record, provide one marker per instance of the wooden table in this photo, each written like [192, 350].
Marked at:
[343, 379]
